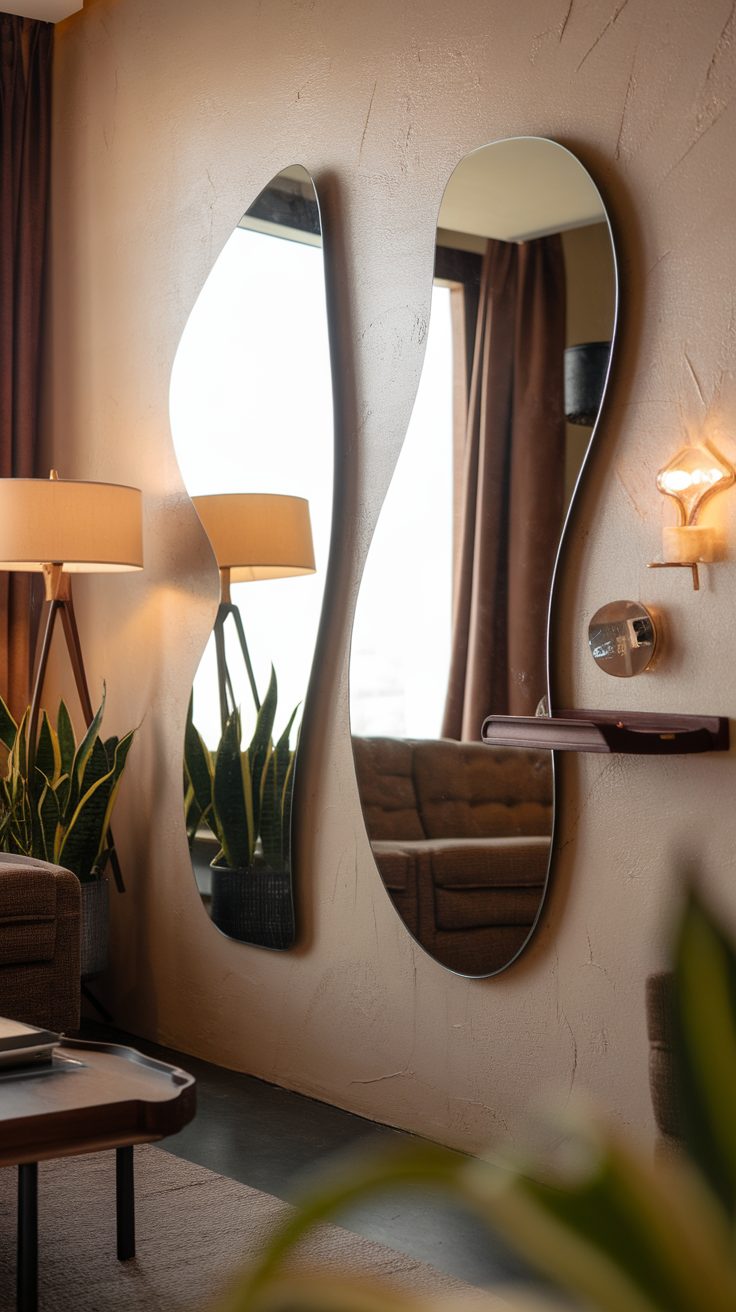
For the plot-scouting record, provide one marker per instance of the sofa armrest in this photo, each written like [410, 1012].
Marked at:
[40, 923]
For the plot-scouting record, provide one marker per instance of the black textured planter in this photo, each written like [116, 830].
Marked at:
[586, 366]
[95, 926]
[253, 905]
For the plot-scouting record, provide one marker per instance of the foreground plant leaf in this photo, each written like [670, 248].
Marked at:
[704, 1000]
[614, 1234]
[319, 1292]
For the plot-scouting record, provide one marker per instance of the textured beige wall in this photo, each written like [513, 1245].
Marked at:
[171, 116]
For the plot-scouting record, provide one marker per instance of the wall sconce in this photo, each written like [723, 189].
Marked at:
[691, 478]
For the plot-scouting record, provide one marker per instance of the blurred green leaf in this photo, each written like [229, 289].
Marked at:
[704, 997]
[600, 1221]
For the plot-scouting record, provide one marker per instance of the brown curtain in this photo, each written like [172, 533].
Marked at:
[25, 129]
[512, 488]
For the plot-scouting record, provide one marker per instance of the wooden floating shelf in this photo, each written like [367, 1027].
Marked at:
[635, 732]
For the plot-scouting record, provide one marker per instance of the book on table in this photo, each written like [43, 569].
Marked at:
[25, 1045]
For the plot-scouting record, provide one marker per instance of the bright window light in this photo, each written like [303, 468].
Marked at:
[401, 641]
[251, 411]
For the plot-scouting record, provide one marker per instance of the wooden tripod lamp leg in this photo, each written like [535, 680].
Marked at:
[52, 609]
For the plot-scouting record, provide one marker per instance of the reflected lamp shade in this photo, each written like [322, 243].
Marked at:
[258, 535]
[86, 527]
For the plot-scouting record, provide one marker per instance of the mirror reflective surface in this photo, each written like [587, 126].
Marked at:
[251, 416]
[451, 621]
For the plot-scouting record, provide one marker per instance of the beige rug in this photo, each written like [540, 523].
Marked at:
[193, 1230]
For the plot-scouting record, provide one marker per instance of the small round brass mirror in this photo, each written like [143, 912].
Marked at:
[622, 637]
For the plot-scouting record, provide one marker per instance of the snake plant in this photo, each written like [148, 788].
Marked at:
[613, 1231]
[243, 795]
[60, 809]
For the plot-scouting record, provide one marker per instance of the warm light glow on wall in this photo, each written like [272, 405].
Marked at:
[690, 479]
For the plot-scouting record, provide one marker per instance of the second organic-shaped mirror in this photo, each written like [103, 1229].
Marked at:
[251, 414]
[451, 622]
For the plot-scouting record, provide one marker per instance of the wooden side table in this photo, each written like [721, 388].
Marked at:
[94, 1096]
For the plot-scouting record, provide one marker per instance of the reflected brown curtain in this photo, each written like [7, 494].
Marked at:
[25, 129]
[512, 481]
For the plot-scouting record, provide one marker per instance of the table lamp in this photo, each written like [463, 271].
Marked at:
[254, 535]
[59, 527]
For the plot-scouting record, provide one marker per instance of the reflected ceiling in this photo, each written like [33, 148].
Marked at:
[530, 192]
[48, 11]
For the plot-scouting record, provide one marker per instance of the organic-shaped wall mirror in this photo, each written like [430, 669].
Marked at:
[251, 414]
[451, 622]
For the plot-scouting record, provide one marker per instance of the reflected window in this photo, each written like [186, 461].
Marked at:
[400, 688]
[251, 416]
[250, 374]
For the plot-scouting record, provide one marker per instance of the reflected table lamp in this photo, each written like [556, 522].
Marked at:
[59, 527]
[254, 535]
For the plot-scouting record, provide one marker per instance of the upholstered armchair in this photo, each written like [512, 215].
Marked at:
[39, 943]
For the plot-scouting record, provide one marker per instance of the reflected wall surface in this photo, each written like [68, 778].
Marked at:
[451, 622]
[251, 415]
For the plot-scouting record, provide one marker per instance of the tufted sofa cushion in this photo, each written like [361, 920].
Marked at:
[385, 770]
[476, 791]
[413, 789]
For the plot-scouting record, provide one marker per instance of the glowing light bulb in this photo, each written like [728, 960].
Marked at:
[695, 473]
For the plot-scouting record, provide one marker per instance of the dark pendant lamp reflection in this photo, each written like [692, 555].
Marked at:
[586, 366]
[59, 527]
[254, 535]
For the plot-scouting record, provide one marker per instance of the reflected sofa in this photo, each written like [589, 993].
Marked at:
[460, 833]
[40, 916]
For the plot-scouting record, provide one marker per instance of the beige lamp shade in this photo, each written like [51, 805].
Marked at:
[87, 527]
[258, 535]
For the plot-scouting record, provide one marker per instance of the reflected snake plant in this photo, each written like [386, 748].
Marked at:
[62, 813]
[608, 1227]
[242, 795]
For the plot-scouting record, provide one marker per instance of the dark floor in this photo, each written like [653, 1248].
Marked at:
[271, 1139]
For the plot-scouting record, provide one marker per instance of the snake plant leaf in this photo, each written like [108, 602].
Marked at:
[86, 746]
[232, 797]
[287, 792]
[67, 739]
[270, 826]
[276, 808]
[704, 1005]
[284, 754]
[110, 744]
[96, 766]
[63, 789]
[192, 812]
[198, 765]
[8, 726]
[260, 745]
[49, 815]
[38, 841]
[118, 765]
[17, 759]
[48, 752]
[80, 840]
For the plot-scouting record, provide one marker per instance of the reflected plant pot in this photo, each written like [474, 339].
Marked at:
[95, 926]
[253, 905]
